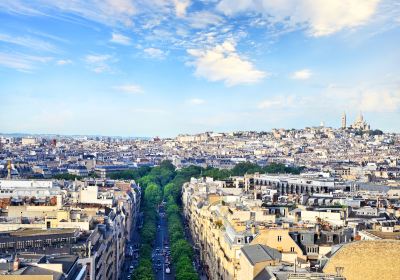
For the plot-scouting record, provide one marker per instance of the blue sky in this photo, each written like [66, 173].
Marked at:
[164, 67]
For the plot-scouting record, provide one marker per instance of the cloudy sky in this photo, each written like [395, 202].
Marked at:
[163, 67]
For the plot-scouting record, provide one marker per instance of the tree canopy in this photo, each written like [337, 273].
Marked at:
[164, 182]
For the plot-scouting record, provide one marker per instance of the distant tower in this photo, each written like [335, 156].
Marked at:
[360, 117]
[9, 169]
[344, 124]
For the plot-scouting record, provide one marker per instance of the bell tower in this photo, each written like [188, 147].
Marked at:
[344, 124]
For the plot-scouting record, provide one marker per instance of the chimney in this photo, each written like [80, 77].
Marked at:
[14, 263]
[339, 271]
[89, 248]
[253, 229]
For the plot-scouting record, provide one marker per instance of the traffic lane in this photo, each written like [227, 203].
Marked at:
[171, 275]
[158, 260]
[162, 233]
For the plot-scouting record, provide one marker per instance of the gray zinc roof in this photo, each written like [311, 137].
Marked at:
[259, 253]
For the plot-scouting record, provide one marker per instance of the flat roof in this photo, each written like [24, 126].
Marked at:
[385, 235]
[36, 232]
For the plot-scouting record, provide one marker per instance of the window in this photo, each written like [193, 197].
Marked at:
[302, 238]
[279, 238]
[291, 249]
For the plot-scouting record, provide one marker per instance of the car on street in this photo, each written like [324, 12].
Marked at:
[167, 270]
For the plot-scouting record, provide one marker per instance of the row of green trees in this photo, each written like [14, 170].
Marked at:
[151, 197]
[181, 250]
[131, 173]
[147, 234]
[162, 175]
[159, 183]
[71, 177]
[151, 181]
[164, 182]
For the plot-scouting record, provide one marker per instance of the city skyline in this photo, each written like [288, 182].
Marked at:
[148, 68]
[353, 126]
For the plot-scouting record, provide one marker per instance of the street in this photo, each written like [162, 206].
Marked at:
[161, 254]
[131, 252]
[197, 263]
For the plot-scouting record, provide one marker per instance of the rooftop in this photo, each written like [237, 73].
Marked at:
[260, 253]
[385, 235]
[38, 232]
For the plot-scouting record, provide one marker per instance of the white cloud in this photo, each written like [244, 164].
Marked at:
[303, 74]
[92, 58]
[99, 63]
[371, 98]
[155, 53]
[129, 88]
[277, 102]
[120, 39]
[181, 7]
[22, 62]
[196, 101]
[203, 19]
[64, 61]
[320, 17]
[15, 62]
[28, 42]
[379, 101]
[223, 63]
[108, 12]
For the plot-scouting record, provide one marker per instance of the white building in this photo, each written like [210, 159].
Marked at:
[30, 188]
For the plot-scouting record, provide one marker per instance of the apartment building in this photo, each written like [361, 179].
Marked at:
[222, 221]
[238, 235]
[91, 220]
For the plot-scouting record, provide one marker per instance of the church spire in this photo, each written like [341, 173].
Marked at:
[344, 124]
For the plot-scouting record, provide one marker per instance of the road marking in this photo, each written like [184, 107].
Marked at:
[162, 247]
